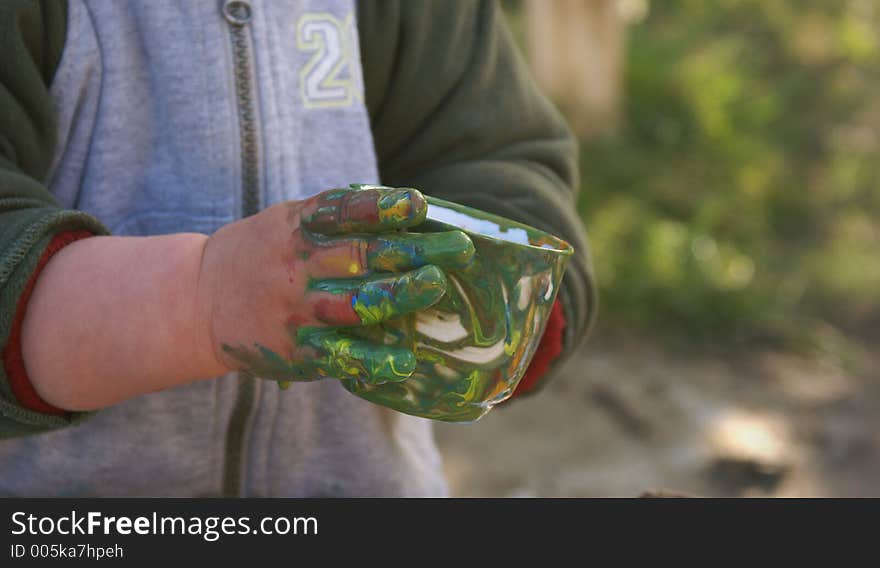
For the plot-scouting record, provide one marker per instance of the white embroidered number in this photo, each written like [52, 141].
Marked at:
[328, 79]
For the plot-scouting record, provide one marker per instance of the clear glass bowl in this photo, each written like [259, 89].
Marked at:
[474, 346]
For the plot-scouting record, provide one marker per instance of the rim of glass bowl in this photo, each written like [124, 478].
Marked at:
[559, 246]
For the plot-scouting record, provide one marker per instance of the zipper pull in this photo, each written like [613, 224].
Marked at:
[237, 12]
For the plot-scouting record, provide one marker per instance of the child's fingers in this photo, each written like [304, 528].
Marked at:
[338, 356]
[373, 210]
[359, 256]
[343, 357]
[373, 300]
[405, 251]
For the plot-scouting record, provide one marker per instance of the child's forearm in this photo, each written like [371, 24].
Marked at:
[111, 318]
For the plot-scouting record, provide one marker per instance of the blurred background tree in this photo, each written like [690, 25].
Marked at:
[576, 51]
[730, 184]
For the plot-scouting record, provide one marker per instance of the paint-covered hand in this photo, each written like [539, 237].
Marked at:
[279, 290]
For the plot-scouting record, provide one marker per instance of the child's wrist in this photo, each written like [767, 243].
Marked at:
[210, 363]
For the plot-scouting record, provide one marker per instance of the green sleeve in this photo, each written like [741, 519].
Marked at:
[31, 41]
[455, 113]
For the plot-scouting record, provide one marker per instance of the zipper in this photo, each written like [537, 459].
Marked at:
[238, 14]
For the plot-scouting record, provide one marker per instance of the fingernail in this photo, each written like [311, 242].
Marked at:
[400, 206]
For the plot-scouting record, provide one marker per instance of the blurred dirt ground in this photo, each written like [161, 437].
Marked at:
[627, 418]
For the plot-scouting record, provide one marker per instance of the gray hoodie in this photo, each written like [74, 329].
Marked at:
[161, 107]
[185, 115]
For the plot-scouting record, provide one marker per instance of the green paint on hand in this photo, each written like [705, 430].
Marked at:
[370, 210]
[381, 298]
[395, 253]
[387, 298]
[399, 207]
[344, 356]
[339, 356]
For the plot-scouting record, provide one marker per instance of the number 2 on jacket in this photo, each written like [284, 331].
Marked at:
[328, 79]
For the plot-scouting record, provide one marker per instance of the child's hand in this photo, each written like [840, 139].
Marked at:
[278, 289]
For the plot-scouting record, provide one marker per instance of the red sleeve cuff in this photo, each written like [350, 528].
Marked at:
[548, 351]
[13, 360]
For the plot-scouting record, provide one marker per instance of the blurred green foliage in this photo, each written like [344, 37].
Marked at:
[739, 199]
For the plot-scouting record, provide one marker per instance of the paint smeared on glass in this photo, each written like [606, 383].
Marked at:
[473, 346]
